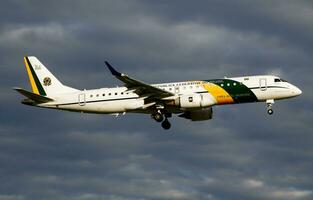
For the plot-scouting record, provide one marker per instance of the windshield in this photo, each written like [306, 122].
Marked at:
[279, 80]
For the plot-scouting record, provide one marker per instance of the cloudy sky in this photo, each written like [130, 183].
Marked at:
[241, 154]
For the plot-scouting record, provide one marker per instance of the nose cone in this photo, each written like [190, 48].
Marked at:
[296, 91]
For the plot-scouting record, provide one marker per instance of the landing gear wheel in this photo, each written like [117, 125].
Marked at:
[270, 103]
[158, 117]
[270, 111]
[166, 124]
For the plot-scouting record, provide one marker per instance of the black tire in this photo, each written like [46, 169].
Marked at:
[158, 117]
[270, 111]
[166, 124]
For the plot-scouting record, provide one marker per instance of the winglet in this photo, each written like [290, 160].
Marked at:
[112, 70]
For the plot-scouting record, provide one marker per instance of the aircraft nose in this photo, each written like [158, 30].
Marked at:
[297, 91]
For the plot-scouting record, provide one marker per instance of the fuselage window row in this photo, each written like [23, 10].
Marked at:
[109, 94]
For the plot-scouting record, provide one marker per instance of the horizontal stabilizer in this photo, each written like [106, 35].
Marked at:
[35, 97]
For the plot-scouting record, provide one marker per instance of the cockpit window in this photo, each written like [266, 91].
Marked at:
[277, 80]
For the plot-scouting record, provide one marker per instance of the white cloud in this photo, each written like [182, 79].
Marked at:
[291, 194]
[52, 31]
[253, 183]
[276, 191]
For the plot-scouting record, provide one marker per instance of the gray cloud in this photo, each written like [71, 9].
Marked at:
[241, 154]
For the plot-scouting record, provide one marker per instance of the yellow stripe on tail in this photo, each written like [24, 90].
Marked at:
[31, 78]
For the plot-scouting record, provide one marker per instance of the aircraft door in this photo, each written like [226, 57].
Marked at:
[81, 99]
[177, 90]
[263, 84]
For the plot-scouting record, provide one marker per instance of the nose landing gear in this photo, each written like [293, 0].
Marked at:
[269, 106]
[270, 111]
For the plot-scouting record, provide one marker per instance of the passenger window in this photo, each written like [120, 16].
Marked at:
[115, 93]
[109, 94]
[190, 99]
[103, 94]
[122, 93]
[97, 95]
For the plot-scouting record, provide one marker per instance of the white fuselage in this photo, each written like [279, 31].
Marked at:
[192, 100]
[121, 99]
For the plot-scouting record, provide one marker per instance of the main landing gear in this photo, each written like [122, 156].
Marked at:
[160, 117]
[269, 106]
[166, 124]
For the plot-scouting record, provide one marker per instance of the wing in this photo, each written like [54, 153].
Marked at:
[139, 87]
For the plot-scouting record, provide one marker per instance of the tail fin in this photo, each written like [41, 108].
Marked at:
[42, 80]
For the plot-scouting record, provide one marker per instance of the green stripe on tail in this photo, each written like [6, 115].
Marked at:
[38, 84]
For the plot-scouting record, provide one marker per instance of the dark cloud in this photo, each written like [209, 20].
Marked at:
[241, 154]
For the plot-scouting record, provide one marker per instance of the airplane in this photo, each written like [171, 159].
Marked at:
[192, 100]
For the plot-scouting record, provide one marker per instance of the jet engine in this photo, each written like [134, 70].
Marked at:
[198, 115]
[193, 101]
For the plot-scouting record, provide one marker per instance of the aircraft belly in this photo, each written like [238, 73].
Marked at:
[271, 93]
[115, 106]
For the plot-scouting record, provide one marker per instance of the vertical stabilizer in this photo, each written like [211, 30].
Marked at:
[42, 81]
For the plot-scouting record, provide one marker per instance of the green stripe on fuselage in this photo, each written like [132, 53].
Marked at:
[237, 90]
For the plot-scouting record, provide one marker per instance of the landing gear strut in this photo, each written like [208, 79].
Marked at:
[269, 106]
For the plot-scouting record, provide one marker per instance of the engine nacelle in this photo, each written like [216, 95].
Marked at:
[198, 115]
[196, 101]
